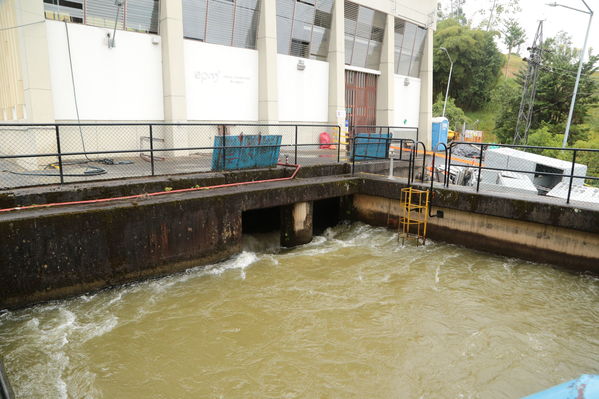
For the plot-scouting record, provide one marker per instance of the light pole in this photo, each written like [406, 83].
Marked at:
[584, 48]
[448, 79]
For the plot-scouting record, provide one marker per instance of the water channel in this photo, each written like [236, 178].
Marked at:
[351, 315]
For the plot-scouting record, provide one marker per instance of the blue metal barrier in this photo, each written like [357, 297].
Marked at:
[245, 152]
[584, 387]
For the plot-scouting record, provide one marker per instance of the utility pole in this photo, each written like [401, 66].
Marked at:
[529, 90]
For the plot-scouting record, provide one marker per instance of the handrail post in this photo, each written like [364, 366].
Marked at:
[296, 144]
[224, 147]
[433, 170]
[338, 143]
[480, 164]
[353, 154]
[152, 150]
[56, 129]
[571, 175]
[448, 175]
[423, 160]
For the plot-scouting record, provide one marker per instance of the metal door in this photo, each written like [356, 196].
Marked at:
[360, 98]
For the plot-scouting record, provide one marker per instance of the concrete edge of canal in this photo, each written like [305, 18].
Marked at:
[53, 253]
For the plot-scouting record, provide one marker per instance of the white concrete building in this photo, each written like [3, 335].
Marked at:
[275, 61]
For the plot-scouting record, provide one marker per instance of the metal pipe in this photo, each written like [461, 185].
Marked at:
[448, 80]
[571, 177]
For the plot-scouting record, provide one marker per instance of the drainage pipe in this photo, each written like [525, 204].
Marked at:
[145, 195]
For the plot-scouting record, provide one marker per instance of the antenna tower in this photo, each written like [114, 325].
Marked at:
[529, 90]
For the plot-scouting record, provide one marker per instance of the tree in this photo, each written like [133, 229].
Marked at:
[454, 114]
[498, 11]
[477, 63]
[513, 36]
[554, 93]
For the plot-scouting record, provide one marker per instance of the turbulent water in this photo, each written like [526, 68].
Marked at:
[351, 315]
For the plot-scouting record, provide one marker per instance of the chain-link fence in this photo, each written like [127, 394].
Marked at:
[570, 174]
[32, 155]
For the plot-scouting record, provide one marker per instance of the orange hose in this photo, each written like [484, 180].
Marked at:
[182, 190]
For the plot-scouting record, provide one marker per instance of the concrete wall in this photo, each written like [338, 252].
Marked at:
[303, 95]
[12, 101]
[221, 82]
[420, 12]
[123, 83]
[407, 101]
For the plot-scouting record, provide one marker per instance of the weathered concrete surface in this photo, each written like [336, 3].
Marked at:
[562, 246]
[57, 252]
[120, 188]
[61, 251]
[549, 211]
[296, 224]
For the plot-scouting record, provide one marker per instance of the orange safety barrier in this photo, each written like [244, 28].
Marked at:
[466, 161]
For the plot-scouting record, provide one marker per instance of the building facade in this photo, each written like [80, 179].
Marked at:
[361, 62]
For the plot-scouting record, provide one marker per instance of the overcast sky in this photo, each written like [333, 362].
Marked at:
[556, 19]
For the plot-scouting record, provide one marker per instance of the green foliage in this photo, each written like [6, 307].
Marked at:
[454, 114]
[543, 137]
[554, 93]
[477, 63]
[513, 34]
[590, 159]
[556, 84]
[506, 98]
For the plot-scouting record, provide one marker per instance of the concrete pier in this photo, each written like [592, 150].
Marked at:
[296, 224]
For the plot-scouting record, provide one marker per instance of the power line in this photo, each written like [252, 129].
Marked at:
[21, 26]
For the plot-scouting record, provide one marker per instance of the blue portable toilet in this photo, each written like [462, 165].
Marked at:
[440, 130]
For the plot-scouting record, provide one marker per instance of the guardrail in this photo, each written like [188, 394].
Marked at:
[548, 175]
[40, 154]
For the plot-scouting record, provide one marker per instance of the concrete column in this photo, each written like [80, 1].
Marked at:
[173, 73]
[426, 91]
[336, 59]
[385, 99]
[266, 43]
[296, 224]
[34, 61]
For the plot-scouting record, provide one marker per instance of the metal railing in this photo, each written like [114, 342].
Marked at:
[392, 130]
[545, 173]
[40, 154]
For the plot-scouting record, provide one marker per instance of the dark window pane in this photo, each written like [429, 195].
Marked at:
[246, 25]
[142, 15]
[322, 19]
[283, 35]
[302, 31]
[220, 22]
[103, 13]
[349, 48]
[360, 52]
[319, 46]
[194, 19]
[373, 59]
[304, 13]
[299, 48]
[285, 8]
[325, 6]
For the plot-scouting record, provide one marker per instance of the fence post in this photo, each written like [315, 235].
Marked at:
[224, 146]
[433, 171]
[152, 149]
[56, 129]
[480, 164]
[353, 154]
[338, 143]
[295, 145]
[571, 176]
[447, 174]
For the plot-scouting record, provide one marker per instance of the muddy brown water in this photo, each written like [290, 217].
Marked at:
[351, 315]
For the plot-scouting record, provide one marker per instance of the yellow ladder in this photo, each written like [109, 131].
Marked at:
[412, 223]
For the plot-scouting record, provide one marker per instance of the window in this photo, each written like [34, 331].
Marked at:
[133, 15]
[226, 22]
[364, 32]
[303, 28]
[409, 46]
